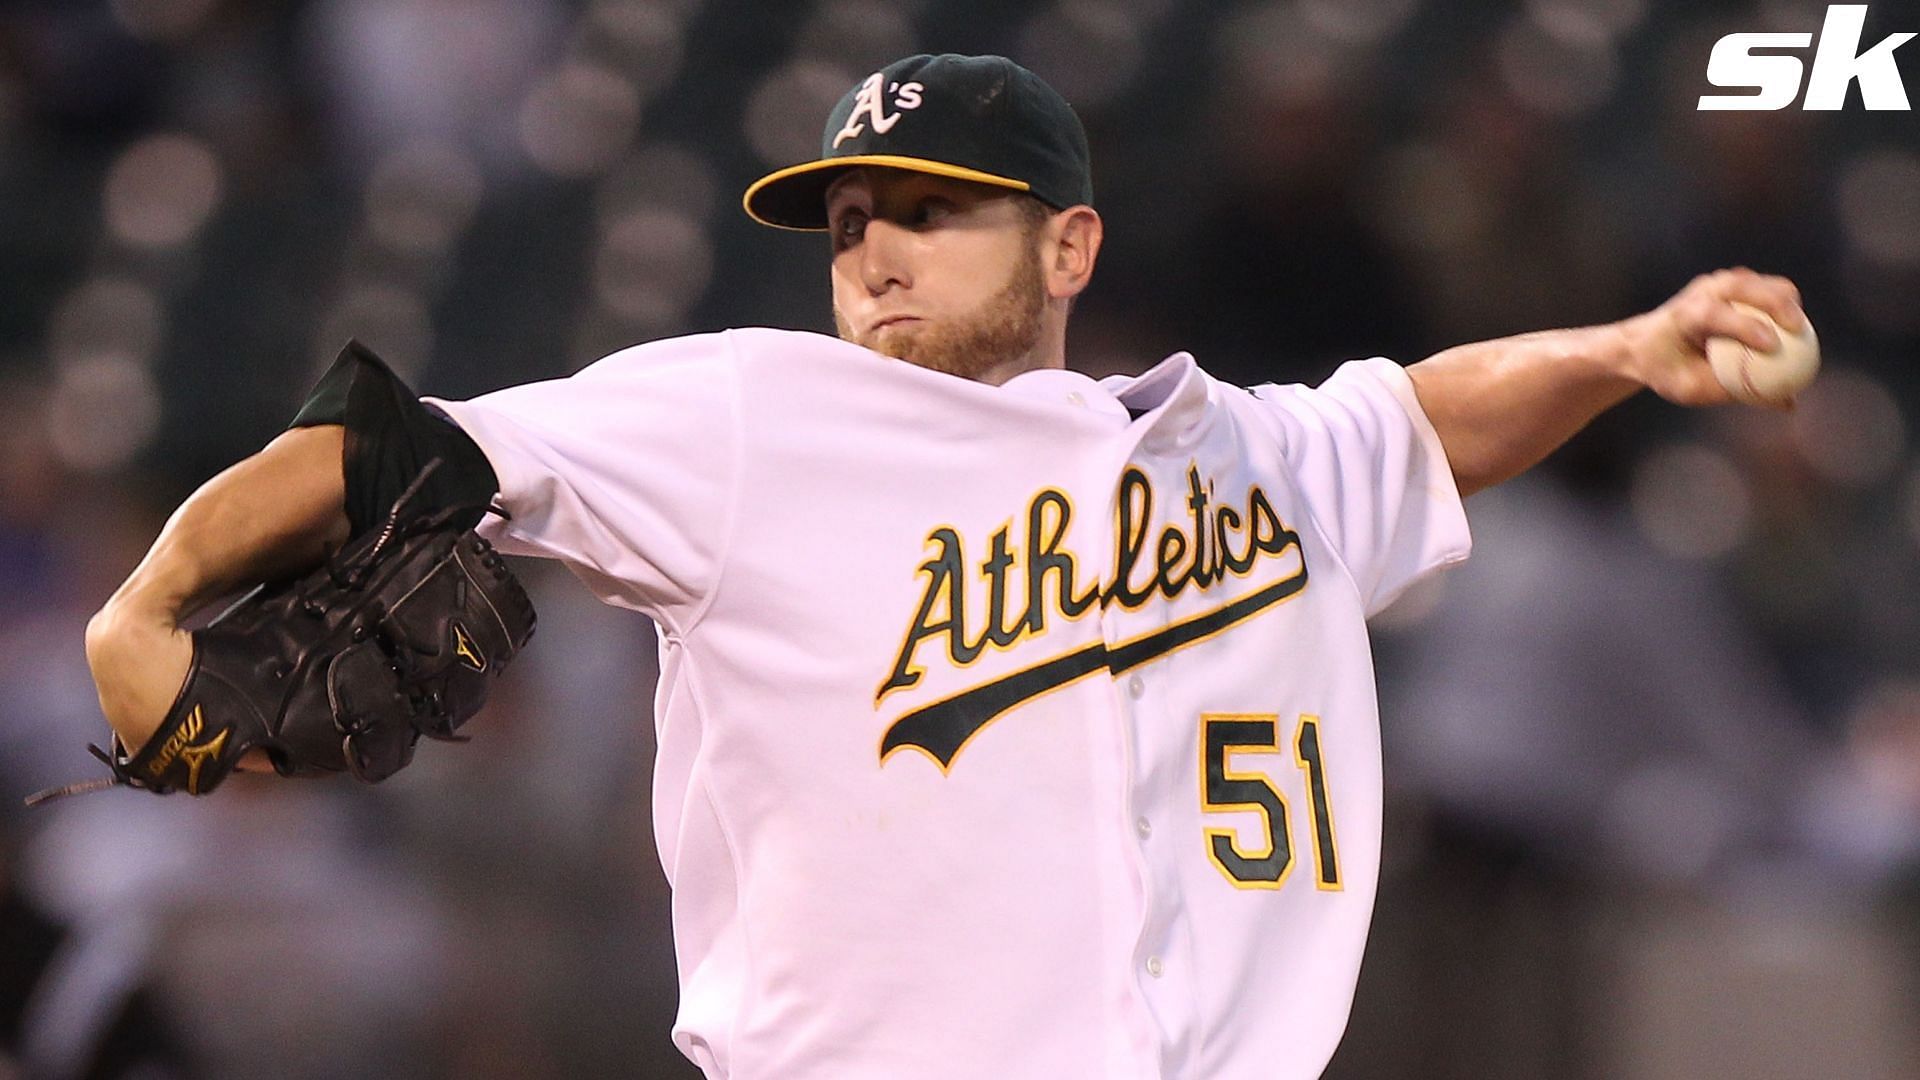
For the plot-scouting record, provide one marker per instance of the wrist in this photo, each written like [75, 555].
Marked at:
[170, 584]
[138, 661]
[121, 633]
[1627, 345]
[124, 616]
[137, 606]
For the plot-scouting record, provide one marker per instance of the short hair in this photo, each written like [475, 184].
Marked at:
[1034, 215]
[1033, 212]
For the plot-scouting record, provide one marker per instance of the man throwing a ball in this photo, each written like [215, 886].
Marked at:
[1011, 722]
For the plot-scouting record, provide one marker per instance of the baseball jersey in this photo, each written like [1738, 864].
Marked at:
[1012, 731]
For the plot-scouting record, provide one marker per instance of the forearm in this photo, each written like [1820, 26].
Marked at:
[1501, 406]
[275, 513]
[279, 511]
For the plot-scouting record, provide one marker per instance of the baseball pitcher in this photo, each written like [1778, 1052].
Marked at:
[1011, 722]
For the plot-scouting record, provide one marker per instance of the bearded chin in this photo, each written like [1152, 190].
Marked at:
[1005, 327]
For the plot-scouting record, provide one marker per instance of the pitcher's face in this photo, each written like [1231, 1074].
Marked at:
[938, 272]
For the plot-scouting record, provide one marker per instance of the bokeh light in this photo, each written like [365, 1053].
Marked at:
[1552, 75]
[642, 39]
[1426, 197]
[1089, 50]
[161, 20]
[1878, 200]
[161, 190]
[103, 410]
[1885, 733]
[368, 259]
[1691, 501]
[1590, 23]
[1790, 16]
[652, 267]
[578, 119]
[665, 175]
[393, 321]
[1357, 22]
[106, 316]
[1669, 822]
[1848, 427]
[1276, 51]
[857, 35]
[788, 109]
[421, 195]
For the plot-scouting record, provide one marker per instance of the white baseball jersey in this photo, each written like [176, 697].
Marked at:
[1001, 732]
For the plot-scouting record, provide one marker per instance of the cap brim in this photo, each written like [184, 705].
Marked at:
[796, 197]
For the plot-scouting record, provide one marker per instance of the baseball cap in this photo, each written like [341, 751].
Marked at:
[979, 118]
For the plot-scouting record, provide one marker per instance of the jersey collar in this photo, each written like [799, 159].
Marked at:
[1066, 387]
[1170, 395]
[1173, 395]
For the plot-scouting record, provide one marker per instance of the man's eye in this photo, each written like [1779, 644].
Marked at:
[932, 212]
[849, 227]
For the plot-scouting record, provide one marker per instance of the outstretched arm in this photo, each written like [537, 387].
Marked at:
[1501, 406]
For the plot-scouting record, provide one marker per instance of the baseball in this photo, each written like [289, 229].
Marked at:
[1765, 378]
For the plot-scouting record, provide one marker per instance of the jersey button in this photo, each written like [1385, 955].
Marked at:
[1155, 967]
[1144, 828]
[1136, 686]
[1074, 398]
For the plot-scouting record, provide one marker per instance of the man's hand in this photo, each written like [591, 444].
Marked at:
[1666, 347]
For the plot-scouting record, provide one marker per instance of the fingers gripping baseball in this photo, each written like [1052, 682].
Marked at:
[1669, 345]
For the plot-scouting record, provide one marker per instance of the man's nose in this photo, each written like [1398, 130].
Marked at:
[884, 256]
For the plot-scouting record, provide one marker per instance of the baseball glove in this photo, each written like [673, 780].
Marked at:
[344, 669]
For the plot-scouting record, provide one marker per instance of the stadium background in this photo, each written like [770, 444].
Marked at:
[1653, 756]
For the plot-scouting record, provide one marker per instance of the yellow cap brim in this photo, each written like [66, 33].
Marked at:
[796, 197]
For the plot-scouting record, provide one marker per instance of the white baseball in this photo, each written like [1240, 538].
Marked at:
[1765, 378]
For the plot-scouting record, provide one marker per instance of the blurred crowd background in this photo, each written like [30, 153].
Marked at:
[1653, 756]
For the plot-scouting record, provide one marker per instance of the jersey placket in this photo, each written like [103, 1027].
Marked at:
[1162, 968]
[1136, 1048]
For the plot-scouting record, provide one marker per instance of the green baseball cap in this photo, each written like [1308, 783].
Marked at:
[979, 118]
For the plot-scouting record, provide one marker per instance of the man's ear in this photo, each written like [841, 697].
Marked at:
[1072, 247]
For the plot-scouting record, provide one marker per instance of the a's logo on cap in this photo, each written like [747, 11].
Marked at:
[867, 103]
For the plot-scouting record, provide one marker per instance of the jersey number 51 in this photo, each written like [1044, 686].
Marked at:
[1223, 789]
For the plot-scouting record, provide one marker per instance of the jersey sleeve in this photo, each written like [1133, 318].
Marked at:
[626, 472]
[1371, 469]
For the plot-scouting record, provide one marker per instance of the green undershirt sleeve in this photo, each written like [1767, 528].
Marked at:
[391, 435]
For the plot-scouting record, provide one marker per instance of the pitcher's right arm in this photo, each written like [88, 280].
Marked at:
[276, 513]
